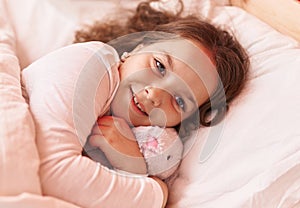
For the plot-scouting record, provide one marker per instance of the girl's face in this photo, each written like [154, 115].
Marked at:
[164, 83]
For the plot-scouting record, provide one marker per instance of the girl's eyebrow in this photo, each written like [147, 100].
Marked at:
[169, 59]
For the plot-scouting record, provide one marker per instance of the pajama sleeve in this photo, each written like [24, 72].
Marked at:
[67, 90]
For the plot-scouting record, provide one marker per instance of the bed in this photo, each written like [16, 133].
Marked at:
[251, 159]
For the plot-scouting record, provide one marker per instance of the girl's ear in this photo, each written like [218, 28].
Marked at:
[124, 56]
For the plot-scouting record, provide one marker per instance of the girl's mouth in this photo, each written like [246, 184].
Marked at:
[138, 105]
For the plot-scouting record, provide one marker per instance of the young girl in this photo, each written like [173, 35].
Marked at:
[228, 56]
[163, 82]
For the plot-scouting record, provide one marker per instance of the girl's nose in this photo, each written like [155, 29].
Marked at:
[155, 95]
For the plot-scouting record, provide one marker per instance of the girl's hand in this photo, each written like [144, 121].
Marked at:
[116, 132]
[116, 140]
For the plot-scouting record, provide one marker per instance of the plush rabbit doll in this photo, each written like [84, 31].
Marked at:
[161, 147]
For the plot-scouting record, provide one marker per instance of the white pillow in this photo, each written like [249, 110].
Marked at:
[39, 27]
[251, 159]
[43, 26]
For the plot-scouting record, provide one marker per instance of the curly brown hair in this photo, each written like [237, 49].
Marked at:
[228, 55]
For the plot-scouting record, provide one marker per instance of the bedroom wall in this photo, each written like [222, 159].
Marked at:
[283, 15]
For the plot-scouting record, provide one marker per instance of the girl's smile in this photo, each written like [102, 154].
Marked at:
[163, 83]
[138, 106]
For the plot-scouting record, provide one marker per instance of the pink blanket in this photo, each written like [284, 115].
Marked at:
[20, 184]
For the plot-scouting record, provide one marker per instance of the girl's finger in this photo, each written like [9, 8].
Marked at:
[96, 140]
[105, 121]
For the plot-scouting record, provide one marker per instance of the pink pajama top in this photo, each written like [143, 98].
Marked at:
[67, 90]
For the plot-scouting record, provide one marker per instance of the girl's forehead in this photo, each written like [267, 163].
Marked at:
[189, 54]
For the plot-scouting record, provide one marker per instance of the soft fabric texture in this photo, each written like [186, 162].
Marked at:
[19, 179]
[67, 90]
[255, 159]
[162, 149]
[17, 142]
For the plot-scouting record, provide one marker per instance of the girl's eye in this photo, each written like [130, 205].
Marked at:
[180, 102]
[160, 67]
